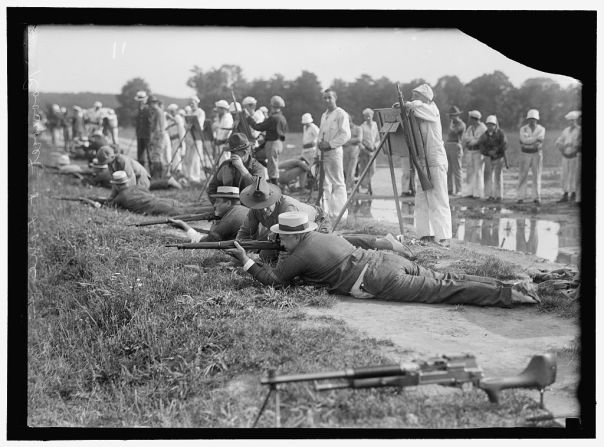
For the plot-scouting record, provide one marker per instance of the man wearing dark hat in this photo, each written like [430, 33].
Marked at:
[138, 200]
[240, 169]
[143, 128]
[275, 127]
[230, 214]
[326, 259]
[454, 151]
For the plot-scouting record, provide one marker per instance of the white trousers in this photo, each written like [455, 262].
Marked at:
[406, 167]
[191, 164]
[475, 173]
[569, 174]
[432, 213]
[493, 177]
[334, 186]
[534, 163]
[166, 154]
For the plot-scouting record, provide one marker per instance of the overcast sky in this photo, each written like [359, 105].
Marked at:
[102, 59]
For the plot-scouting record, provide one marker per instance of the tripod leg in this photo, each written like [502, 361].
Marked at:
[395, 190]
[358, 183]
[212, 174]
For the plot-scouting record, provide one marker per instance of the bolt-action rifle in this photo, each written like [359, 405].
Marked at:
[443, 370]
[183, 217]
[95, 203]
[225, 245]
[415, 142]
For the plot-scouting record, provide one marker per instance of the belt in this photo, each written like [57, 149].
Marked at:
[528, 150]
[573, 155]
[473, 149]
[308, 145]
[357, 288]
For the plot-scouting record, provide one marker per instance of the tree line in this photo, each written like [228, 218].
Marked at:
[491, 94]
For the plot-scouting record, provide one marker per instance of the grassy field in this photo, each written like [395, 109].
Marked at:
[123, 333]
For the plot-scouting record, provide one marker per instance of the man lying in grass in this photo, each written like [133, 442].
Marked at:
[326, 259]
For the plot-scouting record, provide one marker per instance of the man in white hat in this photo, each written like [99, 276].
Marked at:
[350, 154]
[143, 129]
[249, 105]
[326, 259]
[239, 170]
[275, 127]
[569, 145]
[475, 160]
[135, 172]
[55, 125]
[175, 127]
[369, 143]
[222, 128]
[94, 117]
[77, 123]
[193, 164]
[334, 131]
[432, 213]
[531, 156]
[230, 215]
[138, 200]
[310, 138]
[493, 145]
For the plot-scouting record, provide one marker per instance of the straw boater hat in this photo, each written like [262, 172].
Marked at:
[260, 194]
[533, 113]
[454, 111]
[306, 118]
[141, 95]
[63, 160]
[293, 222]
[97, 165]
[105, 155]
[227, 192]
[237, 142]
[119, 178]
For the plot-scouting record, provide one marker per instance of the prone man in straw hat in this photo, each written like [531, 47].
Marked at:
[569, 145]
[369, 143]
[475, 161]
[239, 170]
[326, 259]
[266, 203]
[432, 213]
[138, 200]
[143, 128]
[275, 127]
[532, 135]
[230, 216]
[493, 145]
[454, 150]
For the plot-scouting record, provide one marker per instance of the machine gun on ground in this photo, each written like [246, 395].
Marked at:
[225, 245]
[443, 370]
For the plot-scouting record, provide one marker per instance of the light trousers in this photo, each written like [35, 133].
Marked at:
[406, 176]
[475, 175]
[364, 158]
[493, 177]
[350, 161]
[273, 149]
[432, 213]
[578, 178]
[191, 164]
[569, 174]
[534, 163]
[334, 186]
[176, 163]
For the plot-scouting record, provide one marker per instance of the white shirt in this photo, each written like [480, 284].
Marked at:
[569, 140]
[224, 127]
[530, 137]
[335, 128]
[371, 135]
[310, 135]
[258, 117]
[431, 130]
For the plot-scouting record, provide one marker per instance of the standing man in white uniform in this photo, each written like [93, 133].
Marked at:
[475, 160]
[531, 156]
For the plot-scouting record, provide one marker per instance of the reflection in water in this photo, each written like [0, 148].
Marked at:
[543, 238]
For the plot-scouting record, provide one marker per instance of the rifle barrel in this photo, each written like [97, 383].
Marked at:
[350, 373]
[223, 245]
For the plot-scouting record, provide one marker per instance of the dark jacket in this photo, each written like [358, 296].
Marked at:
[493, 145]
[275, 126]
[227, 175]
[143, 123]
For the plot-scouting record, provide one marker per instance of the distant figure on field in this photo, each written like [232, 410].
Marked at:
[175, 126]
[531, 156]
[222, 129]
[475, 160]
[157, 143]
[350, 154]
[569, 145]
[493, 145]
[143, 129]
[369, 143]
[454, 151]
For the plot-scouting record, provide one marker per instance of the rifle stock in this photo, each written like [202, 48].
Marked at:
[414, 142]
[223, 245]
[183, 217]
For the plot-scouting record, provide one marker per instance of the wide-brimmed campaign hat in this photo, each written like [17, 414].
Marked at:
[293, 222]
[105, 155]
[454, 110]
[227, 192]
[152, 99]
[237, 142]
[260, 194]
[119, 178]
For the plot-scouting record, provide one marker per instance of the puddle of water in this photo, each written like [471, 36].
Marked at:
[551, 240]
